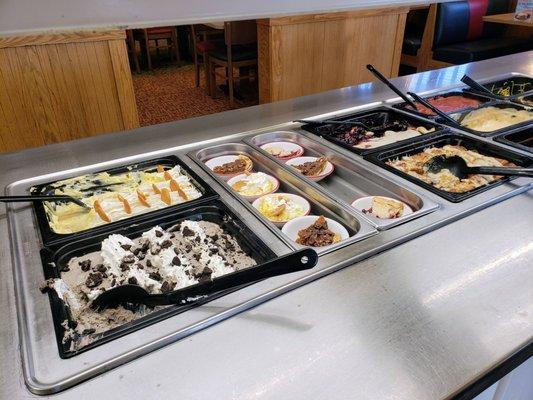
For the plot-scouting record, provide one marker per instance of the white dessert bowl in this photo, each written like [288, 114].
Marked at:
[304, 203]
[328, 170]
[291, 228]
[363, 204]
[221, 160]
[272, 179]
[295, 148]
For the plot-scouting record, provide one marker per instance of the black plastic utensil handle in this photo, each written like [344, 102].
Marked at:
[506, 171]
[480, 88]
[434, 109]
[382, 78]
[332, 122]
[20, 199]
[297, 261]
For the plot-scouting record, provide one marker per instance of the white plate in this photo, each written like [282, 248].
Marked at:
[292, 228]
[235, 179]
[285, 146]
[221, 160]
[293, 197]
[365, 203]
[328, 170]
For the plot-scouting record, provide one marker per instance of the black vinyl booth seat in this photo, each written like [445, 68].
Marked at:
[461, 36]
[411, 42]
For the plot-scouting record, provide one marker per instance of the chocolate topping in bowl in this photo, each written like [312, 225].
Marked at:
[312, 168]
[317, 235]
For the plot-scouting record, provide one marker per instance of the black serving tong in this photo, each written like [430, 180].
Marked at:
[391, 86]
[297, 261]
[440, 113]
[458, 167]
[332, 122]
[51, 198]
[477, 87]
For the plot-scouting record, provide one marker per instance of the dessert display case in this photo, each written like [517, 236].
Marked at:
[351, 180]
[320, 204]
[50, 365]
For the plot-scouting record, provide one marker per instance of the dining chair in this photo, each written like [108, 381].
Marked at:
[204, 40]
[166, 34]
[240, 52]
[132, 51]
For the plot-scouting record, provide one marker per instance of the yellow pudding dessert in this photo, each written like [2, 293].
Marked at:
[279, 207]
[115, 197]
[254, 184]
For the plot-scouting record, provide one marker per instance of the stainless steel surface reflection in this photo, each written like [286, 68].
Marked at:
[419, 321]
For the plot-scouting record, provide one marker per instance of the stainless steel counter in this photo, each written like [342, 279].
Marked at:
[419, 321]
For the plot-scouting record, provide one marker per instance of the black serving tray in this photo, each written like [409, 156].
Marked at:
[516, 80]
[49, 237]
[482, 100]
[481, 147]
[56, 257]
[521, 140]
[371, 118]
[497, 104]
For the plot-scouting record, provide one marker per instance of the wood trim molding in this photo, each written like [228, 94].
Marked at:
[302, 19]
[61, 38]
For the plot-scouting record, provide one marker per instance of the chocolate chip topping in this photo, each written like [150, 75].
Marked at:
[166, 244]
[85, 265]
[130, 258]
[155, 276]
[93, 280]
[187, 232]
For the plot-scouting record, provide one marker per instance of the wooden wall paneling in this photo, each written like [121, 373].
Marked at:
[398, 44]
[124, 84]
[313, 53]
[77, 86]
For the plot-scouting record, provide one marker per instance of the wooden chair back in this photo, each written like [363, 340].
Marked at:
[240, 32]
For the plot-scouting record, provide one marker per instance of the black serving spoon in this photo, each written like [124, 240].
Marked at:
[477, 87]
[437, 111]
[332, 122]
[458, 167]
[297, 261]
[391, 86]
[52, 198]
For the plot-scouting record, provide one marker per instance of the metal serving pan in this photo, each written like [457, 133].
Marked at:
[321, 204]
[56, 258]
[405, 107]
[522, 140]
[453, 139]
[350, 180]
[371, 118]
[497, 104]
[49, 237]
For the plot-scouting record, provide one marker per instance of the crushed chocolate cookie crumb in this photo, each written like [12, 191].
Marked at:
[156, 276]
[132, 280]
[85, 265]
[93, 280]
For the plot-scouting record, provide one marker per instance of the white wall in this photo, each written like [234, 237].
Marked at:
[41, 16]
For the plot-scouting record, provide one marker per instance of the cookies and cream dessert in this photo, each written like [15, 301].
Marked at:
[159, 261]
